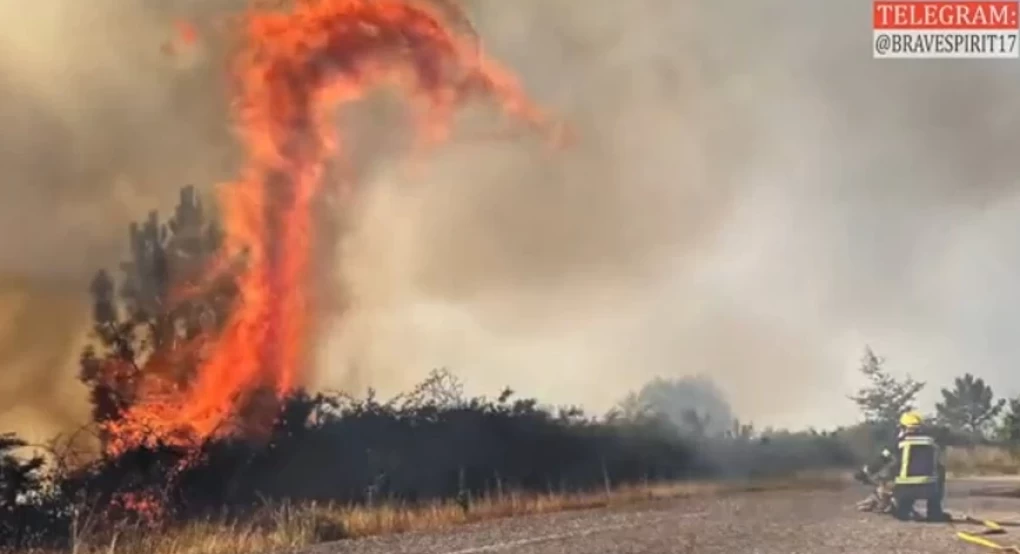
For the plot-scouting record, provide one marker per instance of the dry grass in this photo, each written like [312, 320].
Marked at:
[283, 527]
[982, 460]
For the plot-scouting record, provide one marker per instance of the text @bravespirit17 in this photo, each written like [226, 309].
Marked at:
[946, 29]
[947, 44]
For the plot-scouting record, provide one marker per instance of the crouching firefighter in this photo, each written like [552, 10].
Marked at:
[914, 468]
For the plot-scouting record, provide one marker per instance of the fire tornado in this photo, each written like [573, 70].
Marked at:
[294, 70]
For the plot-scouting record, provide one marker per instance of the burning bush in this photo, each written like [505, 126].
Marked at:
[425, 445]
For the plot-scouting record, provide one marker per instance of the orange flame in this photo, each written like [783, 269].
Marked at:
[186, 31]
[295, 69]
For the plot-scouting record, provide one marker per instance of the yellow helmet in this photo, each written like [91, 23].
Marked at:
[911, 419]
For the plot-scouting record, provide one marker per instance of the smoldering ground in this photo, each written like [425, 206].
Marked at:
[751, 196]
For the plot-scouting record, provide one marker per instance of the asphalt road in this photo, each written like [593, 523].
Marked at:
[779, 522]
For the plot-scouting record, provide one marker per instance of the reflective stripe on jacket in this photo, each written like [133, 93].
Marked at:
[919, 461]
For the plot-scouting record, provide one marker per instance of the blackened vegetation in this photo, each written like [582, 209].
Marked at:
[431, 443]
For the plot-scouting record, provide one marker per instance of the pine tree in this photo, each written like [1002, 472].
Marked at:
[970, 406]
[885, 398]
[1009, 430]
[152, 324]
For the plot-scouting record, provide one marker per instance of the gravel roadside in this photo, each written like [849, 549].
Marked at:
[768, 522]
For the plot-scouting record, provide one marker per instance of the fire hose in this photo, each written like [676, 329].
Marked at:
[977, 537]
[990, 528]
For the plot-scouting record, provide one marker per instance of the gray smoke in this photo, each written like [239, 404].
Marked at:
[752, 197]
[100, 125]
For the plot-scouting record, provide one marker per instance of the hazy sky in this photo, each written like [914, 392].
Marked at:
[752, 197]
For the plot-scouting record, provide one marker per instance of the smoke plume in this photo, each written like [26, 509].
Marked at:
[101, 125]
[750, 197]
[753, 198]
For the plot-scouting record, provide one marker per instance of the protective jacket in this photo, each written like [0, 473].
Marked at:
[914, 459]
[920, 461]
[913, 465]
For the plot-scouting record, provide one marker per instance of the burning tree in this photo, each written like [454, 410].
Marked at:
[204, 331]
[182, 357]
[154, 315]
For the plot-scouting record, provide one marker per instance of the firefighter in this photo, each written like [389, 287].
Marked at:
[915, 469]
